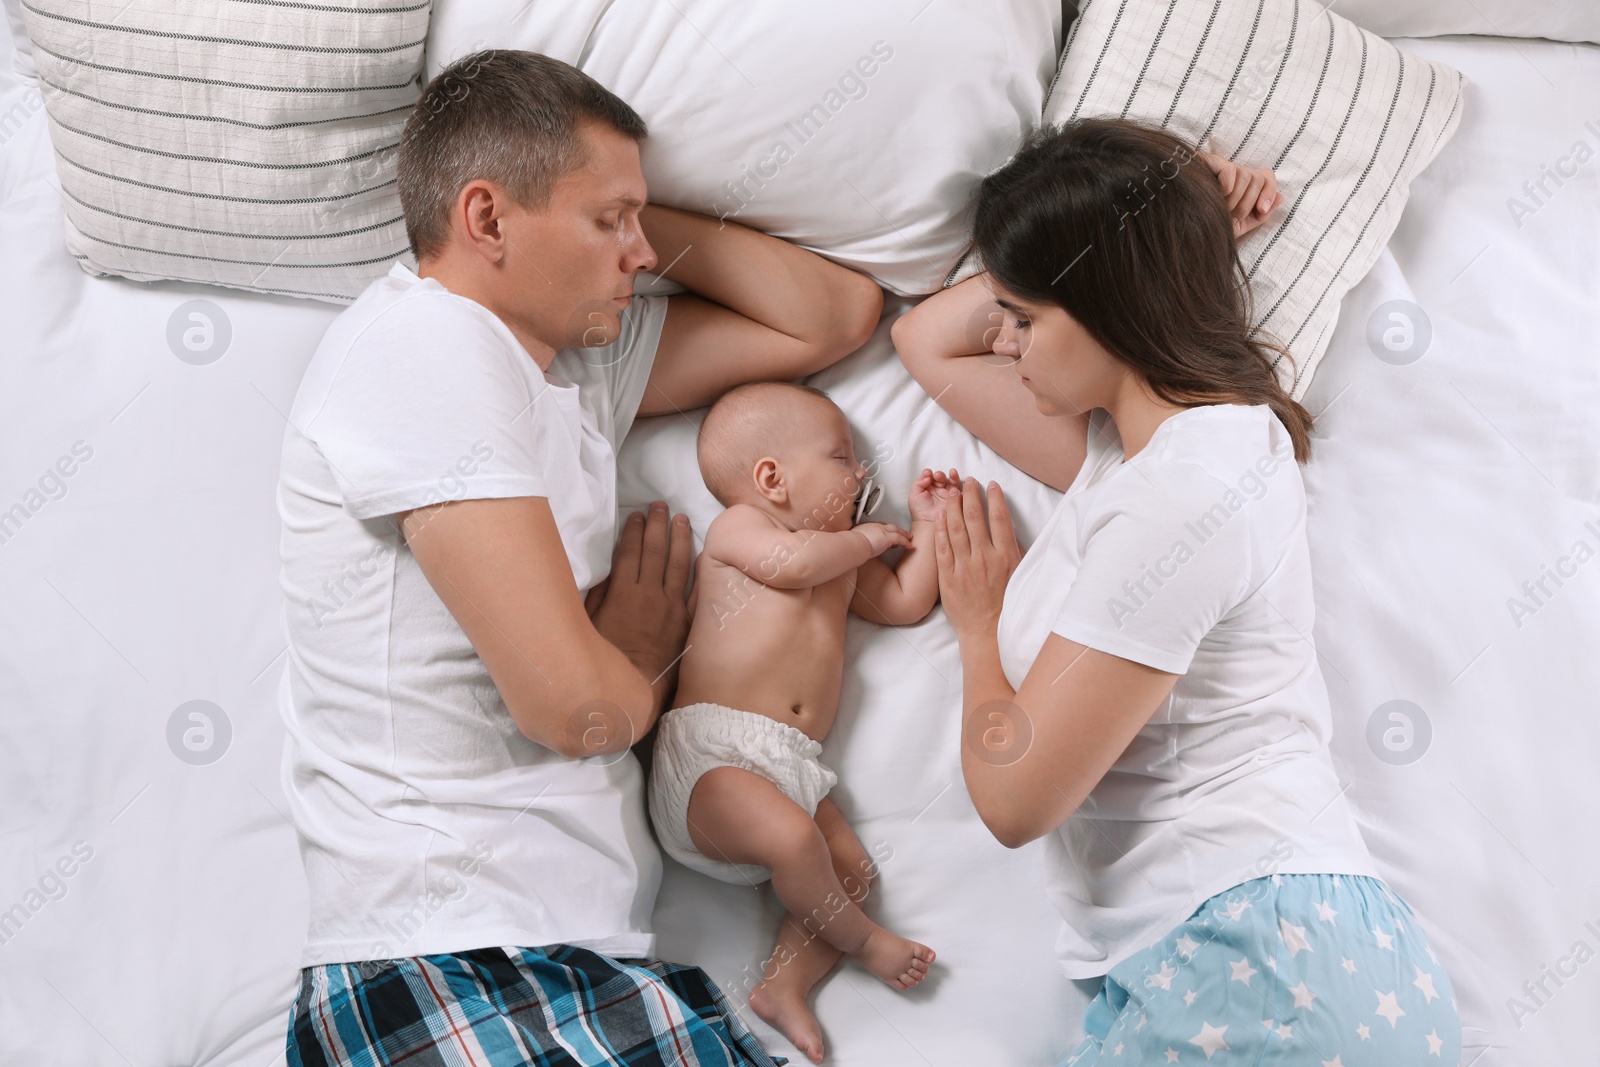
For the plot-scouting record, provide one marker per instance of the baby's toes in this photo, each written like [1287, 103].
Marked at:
[917, 970]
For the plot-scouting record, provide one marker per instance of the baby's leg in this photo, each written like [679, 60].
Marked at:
[738, 816]
[799, 960]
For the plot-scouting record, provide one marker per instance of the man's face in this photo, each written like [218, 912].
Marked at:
[572, 263]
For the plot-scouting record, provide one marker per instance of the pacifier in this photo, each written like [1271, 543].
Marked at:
[867, 500]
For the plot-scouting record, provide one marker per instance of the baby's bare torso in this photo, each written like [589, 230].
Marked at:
[774, 652]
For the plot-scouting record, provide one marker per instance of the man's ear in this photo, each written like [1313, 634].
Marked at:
[479, 208]
[770, 481]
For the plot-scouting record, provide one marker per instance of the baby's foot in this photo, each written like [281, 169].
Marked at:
[787, 1010]
[897, 961]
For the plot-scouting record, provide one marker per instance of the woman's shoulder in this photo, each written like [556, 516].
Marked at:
[1225, 440]
[1212, 453]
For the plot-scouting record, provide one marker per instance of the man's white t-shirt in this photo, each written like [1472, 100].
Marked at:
[428, 823]
[1190, 558]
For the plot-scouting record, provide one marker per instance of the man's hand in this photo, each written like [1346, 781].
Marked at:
[1252, 192]
[930, 491]
[642, 607]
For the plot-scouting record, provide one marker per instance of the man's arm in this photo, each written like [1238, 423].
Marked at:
[579, 686]
[758, 308]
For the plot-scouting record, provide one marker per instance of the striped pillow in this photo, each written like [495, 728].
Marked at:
[248, 143]
[1344, 118]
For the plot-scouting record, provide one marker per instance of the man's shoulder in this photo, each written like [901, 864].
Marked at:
[412, 312]
[399, 336]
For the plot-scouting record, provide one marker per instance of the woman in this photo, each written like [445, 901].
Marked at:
[1142, 687]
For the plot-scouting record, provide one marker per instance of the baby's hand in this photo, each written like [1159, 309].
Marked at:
[883, 536]
[930, 491]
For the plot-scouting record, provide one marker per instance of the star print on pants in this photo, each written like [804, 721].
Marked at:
[1424, 982]
[1294, 937]
[1162, 978]
[1242, 971]
[1389, 1008]
[1210, 1039]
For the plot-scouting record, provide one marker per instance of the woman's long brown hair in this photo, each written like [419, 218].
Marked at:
[1124, 227]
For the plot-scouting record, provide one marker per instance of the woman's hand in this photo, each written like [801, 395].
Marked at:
[1252, 192]
[976, 556]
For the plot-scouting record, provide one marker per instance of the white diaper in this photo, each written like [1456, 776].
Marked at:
[692, 740]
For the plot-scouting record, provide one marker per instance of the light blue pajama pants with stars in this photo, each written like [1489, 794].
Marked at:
[1293, 969]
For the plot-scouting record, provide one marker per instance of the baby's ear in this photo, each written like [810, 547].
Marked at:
[771, 481]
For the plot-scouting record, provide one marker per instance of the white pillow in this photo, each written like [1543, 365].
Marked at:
[858, 130]
[1559, 20]
[21, 47]
[242, 144]
[1345, 118]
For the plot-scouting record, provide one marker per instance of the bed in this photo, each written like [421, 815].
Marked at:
[1448, 486]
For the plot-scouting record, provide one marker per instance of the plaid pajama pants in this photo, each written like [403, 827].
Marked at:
[554, 1006]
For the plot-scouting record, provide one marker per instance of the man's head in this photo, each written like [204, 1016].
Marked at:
[520, 181]
[784, 448]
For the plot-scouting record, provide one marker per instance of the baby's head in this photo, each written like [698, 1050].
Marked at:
[784, 448]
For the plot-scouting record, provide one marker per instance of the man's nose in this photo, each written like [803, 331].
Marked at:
[640, 255]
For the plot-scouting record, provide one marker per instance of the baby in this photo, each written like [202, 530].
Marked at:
[737, 791]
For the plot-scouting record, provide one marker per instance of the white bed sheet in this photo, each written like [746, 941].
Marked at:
[1438, 487]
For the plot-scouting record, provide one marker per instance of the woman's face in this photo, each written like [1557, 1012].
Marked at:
[1066, 369]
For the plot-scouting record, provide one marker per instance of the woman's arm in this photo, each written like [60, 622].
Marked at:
[1076, 712]
[944, 343]
[1251, 192]
[1029, 756]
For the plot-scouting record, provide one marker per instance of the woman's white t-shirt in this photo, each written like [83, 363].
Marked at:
[1191, 558]
[428, 823]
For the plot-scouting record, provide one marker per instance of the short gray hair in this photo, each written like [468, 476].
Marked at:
[505, 116]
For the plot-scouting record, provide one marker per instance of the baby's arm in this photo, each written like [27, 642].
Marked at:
[904, 594]
[746, 538]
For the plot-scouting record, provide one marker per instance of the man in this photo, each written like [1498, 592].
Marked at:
[459, 714]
